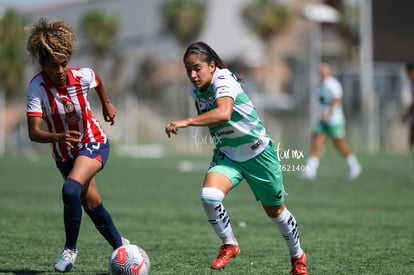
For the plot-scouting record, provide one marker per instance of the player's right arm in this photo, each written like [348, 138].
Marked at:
[408, 113]
[36, 133]
[220, 114]
[108, 110]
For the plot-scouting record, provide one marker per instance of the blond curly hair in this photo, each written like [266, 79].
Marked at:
[49, 38]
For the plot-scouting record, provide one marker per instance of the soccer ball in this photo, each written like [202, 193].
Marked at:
[129, 259]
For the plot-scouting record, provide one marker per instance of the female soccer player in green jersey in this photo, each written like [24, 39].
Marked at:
[243, 151]
[331, 123]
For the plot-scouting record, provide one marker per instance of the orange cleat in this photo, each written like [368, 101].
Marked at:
[299, 265]
[227, 252]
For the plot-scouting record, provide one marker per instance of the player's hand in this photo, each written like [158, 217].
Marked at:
[109, 112]
[325, 116]
[69, 138]
[171, 128]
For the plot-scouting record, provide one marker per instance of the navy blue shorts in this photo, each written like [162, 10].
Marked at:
[93, 150]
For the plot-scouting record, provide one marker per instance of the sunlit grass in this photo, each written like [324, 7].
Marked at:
[360, 227]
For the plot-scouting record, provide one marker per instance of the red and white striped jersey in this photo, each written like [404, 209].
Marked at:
[66, 108]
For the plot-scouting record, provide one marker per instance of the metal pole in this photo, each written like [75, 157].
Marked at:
[314, 61]
[369, 100]
[2, 123]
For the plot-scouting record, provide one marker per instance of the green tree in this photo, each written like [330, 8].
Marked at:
[101, 30]
[348, 26]
[266, 18]
[184, 19]
[13, 59]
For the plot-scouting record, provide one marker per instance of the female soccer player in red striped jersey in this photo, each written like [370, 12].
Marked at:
[57, 95]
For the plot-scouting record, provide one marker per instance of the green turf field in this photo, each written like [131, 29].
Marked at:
[362, 227]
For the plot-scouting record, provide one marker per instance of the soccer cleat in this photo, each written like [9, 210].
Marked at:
[299, 265]
[354, 172]
[66, 260]
[227, 252]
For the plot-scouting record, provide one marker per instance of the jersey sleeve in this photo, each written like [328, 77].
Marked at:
[224, 85]
[33, 100]
[336, 88]
[89, 75]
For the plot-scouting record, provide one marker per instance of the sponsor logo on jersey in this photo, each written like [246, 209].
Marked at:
[72, 118]
[223, 133]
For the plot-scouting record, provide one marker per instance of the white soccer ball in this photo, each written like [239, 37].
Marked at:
[129, 259]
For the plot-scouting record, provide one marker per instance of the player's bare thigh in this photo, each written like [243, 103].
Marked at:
[84, 169]
[219, 181]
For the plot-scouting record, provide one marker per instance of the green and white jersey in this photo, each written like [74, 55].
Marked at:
[328, 90]
[243, 136]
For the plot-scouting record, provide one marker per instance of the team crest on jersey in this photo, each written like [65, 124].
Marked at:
[69, 106]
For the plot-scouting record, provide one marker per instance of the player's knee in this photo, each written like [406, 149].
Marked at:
[71, 190]
[274, 211]
[211, 194]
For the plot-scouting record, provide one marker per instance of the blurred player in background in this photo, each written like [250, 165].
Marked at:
[243, 151]
[58, 96]
[331, 123]
[408, 116]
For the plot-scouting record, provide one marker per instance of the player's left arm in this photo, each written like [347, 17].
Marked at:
[328, 113]
[408, 113]
[108, 109]
[220, 114]
[336, 89]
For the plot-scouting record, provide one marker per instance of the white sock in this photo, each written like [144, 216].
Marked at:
[289, 229]
[211, 199]
[313, 165]
[352, 161]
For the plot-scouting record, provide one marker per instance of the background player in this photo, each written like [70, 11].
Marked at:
[243, 151]
[409, 114]
[332, 123]
[58, 95]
